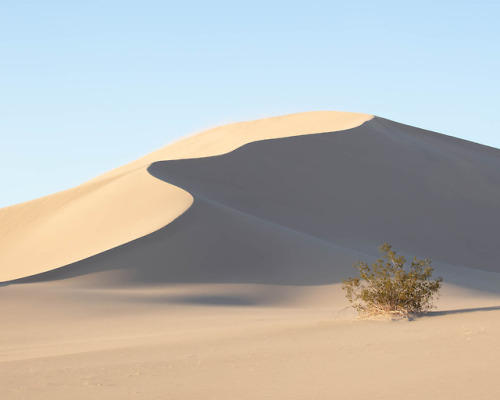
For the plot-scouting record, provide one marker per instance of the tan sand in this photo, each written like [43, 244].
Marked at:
[236, 294]
[61, 343]
[128, 203]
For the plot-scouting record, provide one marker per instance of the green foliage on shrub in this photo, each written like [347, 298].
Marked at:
[387, 288]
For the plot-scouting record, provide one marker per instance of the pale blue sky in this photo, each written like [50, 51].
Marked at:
[86, 86]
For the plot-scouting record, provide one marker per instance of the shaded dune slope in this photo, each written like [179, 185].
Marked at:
[426, 193]
[299, 210]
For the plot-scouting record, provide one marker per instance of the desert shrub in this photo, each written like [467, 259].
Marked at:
[387, 288]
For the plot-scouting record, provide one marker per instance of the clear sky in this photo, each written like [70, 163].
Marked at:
[86, 86]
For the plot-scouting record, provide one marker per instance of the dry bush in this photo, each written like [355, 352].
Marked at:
[386, 288]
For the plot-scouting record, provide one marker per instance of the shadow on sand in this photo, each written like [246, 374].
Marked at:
[212, 300]
[461, 311]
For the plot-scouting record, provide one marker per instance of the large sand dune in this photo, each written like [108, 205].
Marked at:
[300, 210]
[128, 203]
[212, 268]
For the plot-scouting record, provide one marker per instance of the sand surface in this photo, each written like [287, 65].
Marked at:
[212, 268]
[137, 345]
[128, 203]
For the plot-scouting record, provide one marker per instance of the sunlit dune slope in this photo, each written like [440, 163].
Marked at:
[128, 203]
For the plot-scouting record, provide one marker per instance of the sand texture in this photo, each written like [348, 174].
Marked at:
[211, 269]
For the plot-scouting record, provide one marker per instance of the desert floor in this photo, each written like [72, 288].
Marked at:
[191, 342]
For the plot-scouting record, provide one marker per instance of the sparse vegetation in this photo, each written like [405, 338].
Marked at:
[386, 288]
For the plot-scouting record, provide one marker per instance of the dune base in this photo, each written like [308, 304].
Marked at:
[198, 341]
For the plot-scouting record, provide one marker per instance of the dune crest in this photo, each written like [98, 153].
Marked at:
[128, 203]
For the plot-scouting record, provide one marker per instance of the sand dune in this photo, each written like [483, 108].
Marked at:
[300, 210]
[127, 203]
[212, 268]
